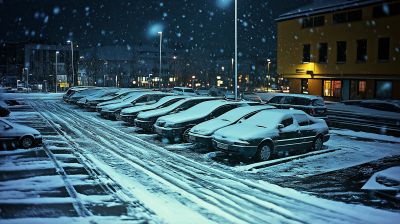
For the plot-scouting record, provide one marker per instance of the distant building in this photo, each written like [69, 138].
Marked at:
[36, 63]
[341, 50]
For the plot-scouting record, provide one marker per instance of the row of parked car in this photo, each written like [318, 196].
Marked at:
[249, 128]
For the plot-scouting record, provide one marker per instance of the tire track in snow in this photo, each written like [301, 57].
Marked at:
[192, 172]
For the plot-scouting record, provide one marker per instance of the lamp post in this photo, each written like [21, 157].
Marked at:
[236, 50]
[149, 79]
[56, 70]
[159, 81]
[72, 59]
[269, 61]
[27, 81]
[193, 79]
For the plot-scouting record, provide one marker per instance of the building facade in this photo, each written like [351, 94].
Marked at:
[35, 64]
[341, 50]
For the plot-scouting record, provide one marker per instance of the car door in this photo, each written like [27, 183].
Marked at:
[288, 135]
[306, 132]
[7, 132]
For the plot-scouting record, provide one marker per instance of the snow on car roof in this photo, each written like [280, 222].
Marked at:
[170, 108]
[157, 104]
[271, 117]
[241, 111]
[299, 95]
[198, 111]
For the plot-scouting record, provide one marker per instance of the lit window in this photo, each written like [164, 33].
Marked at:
[332, 88]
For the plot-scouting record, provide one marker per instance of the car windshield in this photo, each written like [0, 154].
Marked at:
[319, 102]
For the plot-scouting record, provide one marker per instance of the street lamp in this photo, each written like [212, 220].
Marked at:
[56, 70]
[159, 81]
[149, 79]
[27, 83]
[269, 61]
[236, 50]
[72, 59]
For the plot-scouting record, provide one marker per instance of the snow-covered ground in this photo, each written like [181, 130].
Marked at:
[178, 187]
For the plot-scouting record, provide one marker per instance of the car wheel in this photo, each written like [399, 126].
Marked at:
[118, 116]
[26, 142]
[264, 152]
[185, 135]
[318, 143]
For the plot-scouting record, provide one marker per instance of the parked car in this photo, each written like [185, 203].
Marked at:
[393, 105]
[230, 95]
[177, 125]
[16, 135]
[112, 111]
[183, 91]
[203, 91]
[4, 111]
[250, 96]
[312, 105]
[79, 94]
[102, 93]
[129, 114]
[201, 133]
[119, 99]
[146, 120]
[110, 95]
[272, 132]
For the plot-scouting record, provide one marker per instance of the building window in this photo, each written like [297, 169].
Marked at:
[332, 88]
[339, 18]
[307, 22]
[306, 53]
[319, 21]
[390, 10]
[323, 52]
[354, 15]
[361, 87]
[383, 48]
[362, 50]
[223, 68]
[106, 62]
[383, 90]
[341, 51]
[304, 86]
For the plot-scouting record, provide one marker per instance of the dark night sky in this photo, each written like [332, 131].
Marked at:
[194, 23]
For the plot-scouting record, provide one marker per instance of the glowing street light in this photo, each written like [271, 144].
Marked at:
[56, 70]
[27, 83]
[72, 59]
[159, 81]
[236, 50]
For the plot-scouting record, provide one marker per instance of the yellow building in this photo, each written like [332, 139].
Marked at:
[341, 50]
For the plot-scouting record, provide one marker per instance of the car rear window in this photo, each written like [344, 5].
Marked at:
[276, 99]
[319, 102]
[302, 101]
[189, 91]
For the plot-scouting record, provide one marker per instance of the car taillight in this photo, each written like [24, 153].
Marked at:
[312, 111]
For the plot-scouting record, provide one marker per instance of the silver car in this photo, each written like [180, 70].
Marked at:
[15, 135]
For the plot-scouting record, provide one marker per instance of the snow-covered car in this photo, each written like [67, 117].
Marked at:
[101, 93]
[203, 91]
[129, 114]
[110, 95]
[272, 132]
[201, 133]
[177, 125]
[119, 99]
[251, 97]
[15, 135]
[146, 120]
[75, 89]
[81, 93]
[183, 91]
[386, 105]
[230, 95]
[112, 111]
[312, 105]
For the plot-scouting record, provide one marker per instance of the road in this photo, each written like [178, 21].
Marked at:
[154, 182]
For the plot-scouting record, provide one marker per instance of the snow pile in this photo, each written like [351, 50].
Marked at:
[388, 179]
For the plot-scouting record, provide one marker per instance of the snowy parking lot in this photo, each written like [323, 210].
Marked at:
[132, 176]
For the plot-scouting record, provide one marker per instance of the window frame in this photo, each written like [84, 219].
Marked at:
[361, 50]
[306, 53]
[341, 56]
[320, 50]
[383, 54]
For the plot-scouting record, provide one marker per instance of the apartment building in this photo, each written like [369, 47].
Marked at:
[341, 50]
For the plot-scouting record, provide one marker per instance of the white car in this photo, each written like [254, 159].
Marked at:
[15, 135]
[184, 91]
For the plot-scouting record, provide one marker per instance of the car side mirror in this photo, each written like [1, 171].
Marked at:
[280, 126]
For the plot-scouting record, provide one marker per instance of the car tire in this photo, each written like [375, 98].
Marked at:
[185, 135]
[264, 152]
[26, 142]
[317, 144]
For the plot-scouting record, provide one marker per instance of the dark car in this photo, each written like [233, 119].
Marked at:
[177, 125]
[250, 96]
[272, 132]
[146, 120]
[4, 111]
[15, 135]
[393, 105]
[112, 111]
[312, 105]
[201, 133]
[129, 114]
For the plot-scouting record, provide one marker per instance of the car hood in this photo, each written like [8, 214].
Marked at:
[138, 109]
[109, 102]
[157, 112]
[22, 129]
[244, 132]
[182, 117]
[118, 105]
[209, 127]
